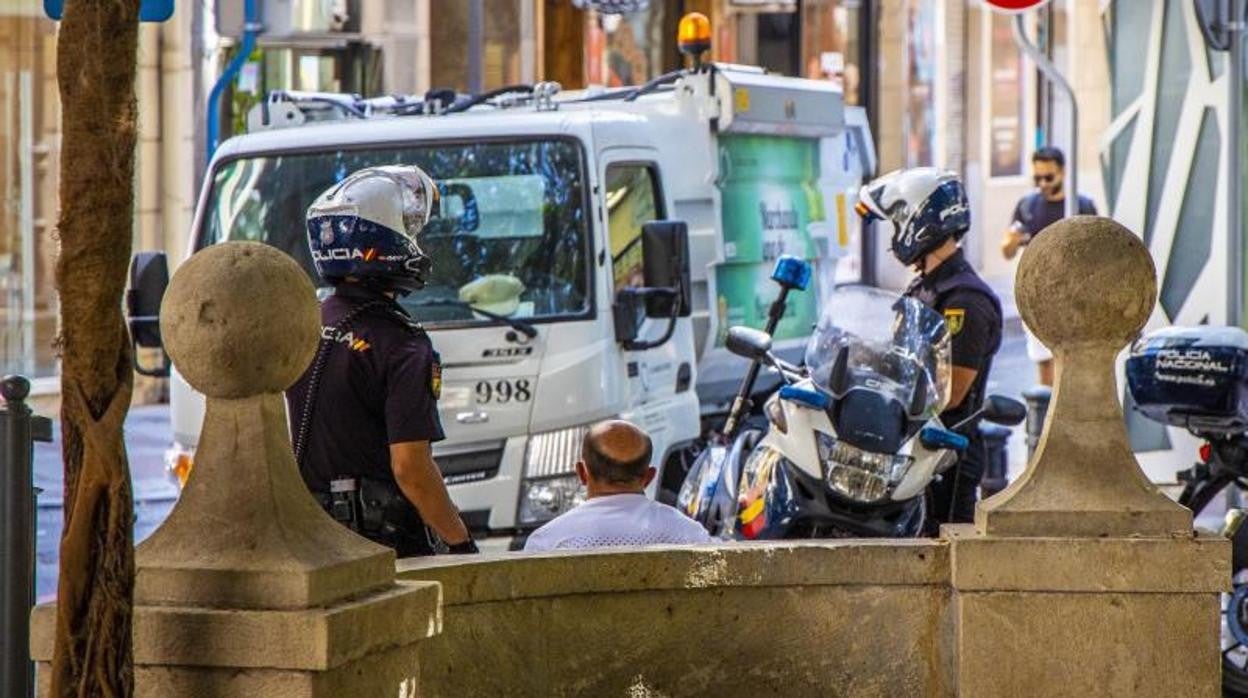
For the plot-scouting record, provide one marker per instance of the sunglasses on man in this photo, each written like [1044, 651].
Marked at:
[1044, 179]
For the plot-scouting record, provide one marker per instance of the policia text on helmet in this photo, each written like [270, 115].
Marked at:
[365, 411]
[927, 213]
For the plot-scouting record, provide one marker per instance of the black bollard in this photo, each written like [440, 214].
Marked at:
[18, 431]
[996, 458]
[1037, 398]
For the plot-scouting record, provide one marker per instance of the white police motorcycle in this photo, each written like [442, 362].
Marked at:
[854, 436]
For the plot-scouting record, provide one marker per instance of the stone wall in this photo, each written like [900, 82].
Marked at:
[825, 618]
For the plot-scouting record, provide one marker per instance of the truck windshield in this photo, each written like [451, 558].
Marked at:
[511, 238]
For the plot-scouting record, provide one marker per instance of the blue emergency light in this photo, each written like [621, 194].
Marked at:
[792, 272]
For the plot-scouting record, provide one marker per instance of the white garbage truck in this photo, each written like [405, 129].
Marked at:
[565, 288]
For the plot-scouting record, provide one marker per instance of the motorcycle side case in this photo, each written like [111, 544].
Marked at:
[1195, 378]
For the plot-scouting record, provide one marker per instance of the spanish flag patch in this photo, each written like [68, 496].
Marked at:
[954, 319]
[435, 377]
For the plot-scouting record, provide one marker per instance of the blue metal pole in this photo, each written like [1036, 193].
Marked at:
[251, 27]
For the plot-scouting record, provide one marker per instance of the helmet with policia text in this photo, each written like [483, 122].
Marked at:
[926, 206]
[365, 228]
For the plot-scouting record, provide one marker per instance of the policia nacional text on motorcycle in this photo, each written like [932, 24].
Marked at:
[929, 213]
[365, 412]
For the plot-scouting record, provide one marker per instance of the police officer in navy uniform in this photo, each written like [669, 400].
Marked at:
[929, 213]
[364, 414]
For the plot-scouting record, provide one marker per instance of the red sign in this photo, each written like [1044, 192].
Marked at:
[1014, 6]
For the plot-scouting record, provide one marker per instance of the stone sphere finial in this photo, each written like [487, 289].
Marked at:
[1086, 279]
[240, 319]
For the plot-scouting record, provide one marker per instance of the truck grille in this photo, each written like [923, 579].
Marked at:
[472, 466]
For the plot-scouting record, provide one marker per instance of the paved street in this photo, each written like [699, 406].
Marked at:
[147, 437]
[1012, 373]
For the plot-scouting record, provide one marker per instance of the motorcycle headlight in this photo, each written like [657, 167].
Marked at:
[857, 474]
[549, 486]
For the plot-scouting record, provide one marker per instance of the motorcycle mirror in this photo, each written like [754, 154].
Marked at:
[748, 342]
[1000, 409]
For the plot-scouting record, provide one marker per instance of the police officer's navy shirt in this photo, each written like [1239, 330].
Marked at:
[1035, 213]
[378, 387]
[972, 315]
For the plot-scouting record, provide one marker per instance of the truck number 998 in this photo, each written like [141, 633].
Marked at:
[504, 391]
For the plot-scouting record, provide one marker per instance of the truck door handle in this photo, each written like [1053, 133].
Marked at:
[477, 417]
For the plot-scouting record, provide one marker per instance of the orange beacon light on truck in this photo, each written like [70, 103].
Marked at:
[693, 36]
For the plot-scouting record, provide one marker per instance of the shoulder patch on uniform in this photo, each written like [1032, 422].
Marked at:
[352, 340]
[954, 319]
[435, 377]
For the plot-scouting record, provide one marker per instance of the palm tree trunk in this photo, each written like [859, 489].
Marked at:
[96, 64]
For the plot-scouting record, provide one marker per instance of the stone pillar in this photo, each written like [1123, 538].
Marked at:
[1081, 578]
[248, 588]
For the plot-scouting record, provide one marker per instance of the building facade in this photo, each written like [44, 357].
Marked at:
[30, 169]
[1167, 163]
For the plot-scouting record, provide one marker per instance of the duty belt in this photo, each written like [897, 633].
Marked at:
[378, 510]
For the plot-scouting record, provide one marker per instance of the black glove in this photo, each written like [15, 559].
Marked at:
[468, 547]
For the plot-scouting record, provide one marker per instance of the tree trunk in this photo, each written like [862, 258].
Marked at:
[96, 64]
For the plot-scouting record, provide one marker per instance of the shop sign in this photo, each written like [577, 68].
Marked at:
[149, 10]
[1014, 6]
[763, 5]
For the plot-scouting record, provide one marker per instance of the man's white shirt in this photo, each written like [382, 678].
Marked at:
[617, 520]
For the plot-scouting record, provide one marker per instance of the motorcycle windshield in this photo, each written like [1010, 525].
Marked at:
[895, 346]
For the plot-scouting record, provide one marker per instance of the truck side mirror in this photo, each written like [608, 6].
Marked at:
[665, 265]
[667, 294]
[149, 277]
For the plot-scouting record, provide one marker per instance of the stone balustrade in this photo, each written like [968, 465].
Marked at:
[811, 618]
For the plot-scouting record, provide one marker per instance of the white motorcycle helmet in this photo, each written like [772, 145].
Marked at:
[925, 205]
[365, 227]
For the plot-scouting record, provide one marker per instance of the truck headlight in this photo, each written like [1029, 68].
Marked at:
[543, 500]
[550, 486]
[179, 460]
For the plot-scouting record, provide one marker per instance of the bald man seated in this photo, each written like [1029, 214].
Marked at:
[615, 469]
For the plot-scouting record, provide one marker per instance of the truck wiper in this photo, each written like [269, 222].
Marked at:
[520, 326]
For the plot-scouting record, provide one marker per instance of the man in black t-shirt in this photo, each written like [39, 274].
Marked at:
[364, 414]
[1044, 206]
[930, 213]
[1033, 213]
